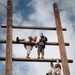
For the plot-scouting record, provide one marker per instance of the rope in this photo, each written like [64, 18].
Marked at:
[3, 5]
[66, 8]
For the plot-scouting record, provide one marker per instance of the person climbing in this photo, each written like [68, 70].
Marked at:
[28, 47]
[41, 45]
[56, 68]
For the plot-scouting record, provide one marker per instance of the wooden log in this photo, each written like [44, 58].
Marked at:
[35, 60]
[12, 74]
[27, 43]
[8, 66]
[62, 48]
[34, 27]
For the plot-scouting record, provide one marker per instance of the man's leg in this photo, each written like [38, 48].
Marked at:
[42, 52]
[18, 40]
[27, 56]
[38, 55]
[28, 53]
[28, 48]
[38, 51]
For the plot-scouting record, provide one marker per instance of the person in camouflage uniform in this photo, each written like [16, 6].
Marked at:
[41, 46]
[28, 47]
[56, 68]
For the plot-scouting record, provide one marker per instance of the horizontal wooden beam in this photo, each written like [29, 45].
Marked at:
[28, 43]
[35, 60]
[12, 74]
[34, 27]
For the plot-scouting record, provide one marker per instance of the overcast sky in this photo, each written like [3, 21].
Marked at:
[38, 13]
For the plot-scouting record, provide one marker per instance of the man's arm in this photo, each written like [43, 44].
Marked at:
[52, 65]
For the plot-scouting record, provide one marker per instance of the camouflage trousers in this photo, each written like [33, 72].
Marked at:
[28, 48]
[40, 50]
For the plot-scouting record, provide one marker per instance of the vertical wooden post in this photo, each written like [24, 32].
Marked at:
[61, 41]
[9, 39]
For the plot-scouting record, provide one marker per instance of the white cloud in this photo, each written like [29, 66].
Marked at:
[43, 15]
[17, 18]
[15, 2]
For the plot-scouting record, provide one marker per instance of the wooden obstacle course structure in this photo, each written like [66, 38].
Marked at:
[9, 42]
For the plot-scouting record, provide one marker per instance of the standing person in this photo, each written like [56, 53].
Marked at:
[56, 68]
[41, 45]
[28, 47]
